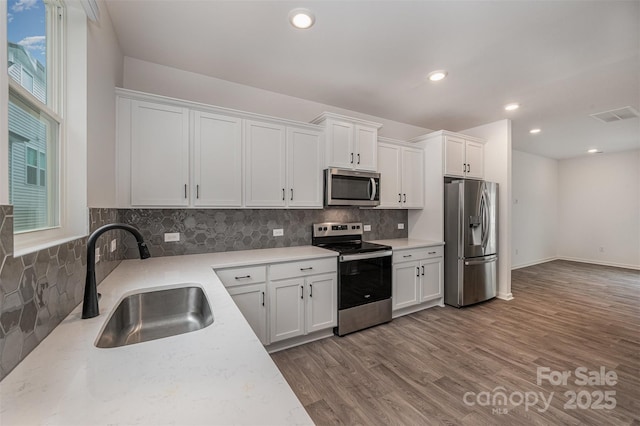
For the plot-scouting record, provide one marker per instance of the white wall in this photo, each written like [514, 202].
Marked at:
[600, 208]
[162, 80]
[534, 211]
[497, 168]
[105, 64]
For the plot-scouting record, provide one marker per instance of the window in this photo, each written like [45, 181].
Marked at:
[34, 36]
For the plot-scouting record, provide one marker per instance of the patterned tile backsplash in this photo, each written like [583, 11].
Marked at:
[205, 231]
[38, 290]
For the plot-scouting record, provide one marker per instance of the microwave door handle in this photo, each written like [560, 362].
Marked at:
[373, 189]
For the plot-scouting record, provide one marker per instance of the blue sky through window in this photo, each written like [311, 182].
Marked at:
[26, 21]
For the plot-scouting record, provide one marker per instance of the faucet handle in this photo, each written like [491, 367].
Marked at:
[144, 251]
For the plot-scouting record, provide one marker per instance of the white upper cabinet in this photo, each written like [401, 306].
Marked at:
[351, 143]
[283, 166]
[265, 164]
[304, 168]
[217, 161]
[401, 176]
[463, 156]
[173, 153]
[159, 155]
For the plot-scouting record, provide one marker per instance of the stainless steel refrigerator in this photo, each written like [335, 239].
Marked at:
[471, 241]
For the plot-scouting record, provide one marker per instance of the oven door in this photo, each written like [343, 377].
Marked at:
[364, 278]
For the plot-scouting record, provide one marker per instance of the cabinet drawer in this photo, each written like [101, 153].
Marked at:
[400, 256]
[240, 276]
[300, 269]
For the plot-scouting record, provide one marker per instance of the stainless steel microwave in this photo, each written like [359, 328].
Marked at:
[351, 188]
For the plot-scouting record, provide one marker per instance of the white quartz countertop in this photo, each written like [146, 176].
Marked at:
[217, 375]
[408, 243]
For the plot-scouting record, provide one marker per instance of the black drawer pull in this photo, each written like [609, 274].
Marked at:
[243, 278]
[408, 255]
[432, 252]
[307, 269]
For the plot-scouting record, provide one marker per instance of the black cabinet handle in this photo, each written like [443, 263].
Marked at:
[301, 292]
[243, 278]
[185, 190]
[307, 269]
[310, 290]
[358, 158]
[352, 158]
[468, 168]
[423, 270]
[263, 298]
[405, 198]
[291, 194]
[282, 194]
[399, 197]
[407, 255]
[198, 191]
[417, 271]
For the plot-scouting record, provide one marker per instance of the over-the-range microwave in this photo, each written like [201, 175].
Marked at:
[351, 188]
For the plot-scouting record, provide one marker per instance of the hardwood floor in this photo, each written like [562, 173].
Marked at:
[418, 368]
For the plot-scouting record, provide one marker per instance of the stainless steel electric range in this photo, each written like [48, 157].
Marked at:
[364, 276]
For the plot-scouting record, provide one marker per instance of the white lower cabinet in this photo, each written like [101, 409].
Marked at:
[303, 305]
[248, 289]
[303, 297]
[251, 300]
[417, 277]
[285, 300]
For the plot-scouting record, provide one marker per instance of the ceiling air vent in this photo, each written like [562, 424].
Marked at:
[616, 114]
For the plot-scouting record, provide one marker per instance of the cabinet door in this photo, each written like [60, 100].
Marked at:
[286, 304]
[264, 164]
[304, 168]
[322, 302]
[251, 301]
[159, 155]
[366, 151]
[454, 163]
[340, 149]
[406, 280]
[474, 157]
[412, 178]
[217, 160]
[431, 279]
[389, 167]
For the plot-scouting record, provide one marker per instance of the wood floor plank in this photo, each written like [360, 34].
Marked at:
[418, 368]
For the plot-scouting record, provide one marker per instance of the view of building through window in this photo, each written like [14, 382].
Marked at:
[33, 134]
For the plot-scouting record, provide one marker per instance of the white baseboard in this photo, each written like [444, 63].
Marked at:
[505, 296]
[535, 262]
[599, 262]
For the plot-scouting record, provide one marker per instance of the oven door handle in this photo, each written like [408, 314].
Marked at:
[372, 192]
[363, 256]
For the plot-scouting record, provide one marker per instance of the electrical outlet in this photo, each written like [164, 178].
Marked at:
[278, 232]
[97, 254]
[367, 228]
[601, 249]
[113, 245]
[171, 236]
[401, 226]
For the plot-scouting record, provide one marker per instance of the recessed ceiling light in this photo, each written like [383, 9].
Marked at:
[594, 151]
[511, 107]
[302, 18]
[437, 75]
[534, 131]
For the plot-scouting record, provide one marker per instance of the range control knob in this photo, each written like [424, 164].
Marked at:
[324, 229]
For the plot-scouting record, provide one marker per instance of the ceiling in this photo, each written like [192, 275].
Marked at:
[561, 60]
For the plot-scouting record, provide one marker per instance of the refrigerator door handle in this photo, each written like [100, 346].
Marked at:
[487, 259]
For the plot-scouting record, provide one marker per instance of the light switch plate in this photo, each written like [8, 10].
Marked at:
[113, 245]
[171, 236]
[278, 232]
[367, 228]
[401, 226]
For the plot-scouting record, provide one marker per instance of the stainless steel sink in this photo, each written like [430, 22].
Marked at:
[156, 314]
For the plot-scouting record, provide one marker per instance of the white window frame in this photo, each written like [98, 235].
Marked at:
[67, 104]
